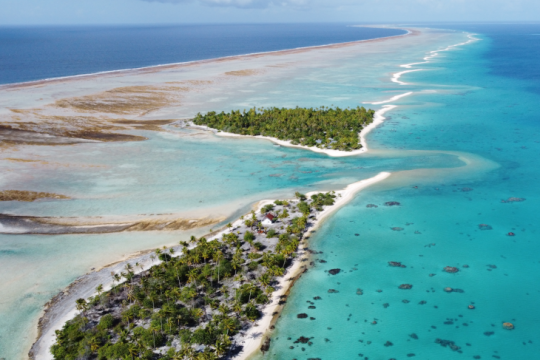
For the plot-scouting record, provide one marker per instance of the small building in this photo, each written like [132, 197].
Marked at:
[268, 219]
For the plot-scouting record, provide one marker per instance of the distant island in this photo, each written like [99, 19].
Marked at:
[198, 303]
[324, 127]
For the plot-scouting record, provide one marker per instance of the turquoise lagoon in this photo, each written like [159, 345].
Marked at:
[186, 173]
[442, 222]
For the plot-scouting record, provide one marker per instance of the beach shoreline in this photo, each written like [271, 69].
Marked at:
[272, 311]
[62, 307]
[378, 119]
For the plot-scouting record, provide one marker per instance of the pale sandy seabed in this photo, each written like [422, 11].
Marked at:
[114, 107]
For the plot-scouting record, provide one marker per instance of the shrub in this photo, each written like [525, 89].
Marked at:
[223, 270]
[106, 322]
[252, 313]
[204, 336]
[248, 236]
[261, 299]
[303, 207]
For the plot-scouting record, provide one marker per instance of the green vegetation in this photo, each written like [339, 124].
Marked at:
[326, 128]
[267, 208]
[198, 300]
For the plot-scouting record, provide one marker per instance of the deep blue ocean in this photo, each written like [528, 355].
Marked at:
[35, 53]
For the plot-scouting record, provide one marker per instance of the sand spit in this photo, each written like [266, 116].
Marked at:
[62, 307]
[255, 336]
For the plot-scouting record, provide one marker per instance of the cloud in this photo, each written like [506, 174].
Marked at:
[245, 4]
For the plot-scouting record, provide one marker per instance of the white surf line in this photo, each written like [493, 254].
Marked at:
[396, 76]
[432, 54]
[394, 98]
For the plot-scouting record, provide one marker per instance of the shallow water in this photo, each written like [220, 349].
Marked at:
[173, 172]
[474, 110]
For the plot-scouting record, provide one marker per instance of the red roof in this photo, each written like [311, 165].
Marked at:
[270, 216]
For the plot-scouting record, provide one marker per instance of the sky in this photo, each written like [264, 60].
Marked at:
[86, 12]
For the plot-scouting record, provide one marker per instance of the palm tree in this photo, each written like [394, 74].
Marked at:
[198, 313]
[265, 279]
[220, 348]
[128, 316]
[191, 293]
[190, 353]
[161, 315]
[94, 344]
[81, 305]
[178, 319]
[237, 307]
[250, 287]
[153, 297]
[218, 255]
[192, 276]
[158, 252]
[99, 289]
[229, 325]
[153, 257]
[131, 295]
[133, 350]
[170, 322]
[223, 309]
[154, 329]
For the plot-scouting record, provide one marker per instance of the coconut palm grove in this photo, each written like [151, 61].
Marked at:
[190, 305]
[324, 127]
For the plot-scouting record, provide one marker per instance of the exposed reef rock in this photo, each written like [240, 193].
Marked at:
[484, 227]
[371, 206]
[513, 199]
[508, 326]
[265, 345]
[396, 264]
[405, 286]
[448, 343]
[392, 203]
[302, 316]
[334, 271]
[29, 196]
[302, 340]
[451, 269]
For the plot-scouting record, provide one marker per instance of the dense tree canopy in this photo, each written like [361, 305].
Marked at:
[198, 300]
[327, 128]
